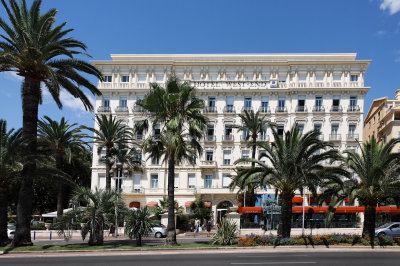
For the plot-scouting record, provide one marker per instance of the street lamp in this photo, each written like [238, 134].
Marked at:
[118, 190]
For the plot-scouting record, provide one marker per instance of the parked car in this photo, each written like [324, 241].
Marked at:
[389, 229]
[10, 231]
[158, 231]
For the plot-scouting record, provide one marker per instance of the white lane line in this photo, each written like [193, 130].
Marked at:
[273, 262]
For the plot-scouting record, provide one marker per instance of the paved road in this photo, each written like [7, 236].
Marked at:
[364, 258]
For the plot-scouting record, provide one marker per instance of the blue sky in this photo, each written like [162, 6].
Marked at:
[370, 28]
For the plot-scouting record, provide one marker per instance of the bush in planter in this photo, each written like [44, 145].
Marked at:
[227, 233]
[11, 221]
[38, 226]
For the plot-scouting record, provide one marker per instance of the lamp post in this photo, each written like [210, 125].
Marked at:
[117, 189]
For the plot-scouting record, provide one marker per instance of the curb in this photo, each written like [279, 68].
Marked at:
[316, 248]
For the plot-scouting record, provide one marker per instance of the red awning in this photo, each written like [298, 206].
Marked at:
[152, 204]
[297, 200]
[134, 204]
[346, 209]
[188, 204]
[207, 203]
[249, 210]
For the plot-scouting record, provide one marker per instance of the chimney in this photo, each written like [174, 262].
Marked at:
[397, 94]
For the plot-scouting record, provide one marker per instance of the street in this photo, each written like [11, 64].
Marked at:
[276, 257]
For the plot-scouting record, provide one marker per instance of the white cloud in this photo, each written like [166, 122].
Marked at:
[68, 101]
[392, 5]
[381, 33]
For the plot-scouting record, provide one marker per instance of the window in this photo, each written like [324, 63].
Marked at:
[353, 77]
[336, 103]
[318, 104]
[191, 180]
[317, 127]
[229, 103]
[334, 129]
[353, 100]
[226, 180]
[227, 157]
[263, 135]
[211, 101]
[124, 78]
[123, 102]
[210, 132]
[156, 131]
[247, 104]
[280, 130]
[209, 155]
[245, 154]
[301, 103]
[246, 134]
[154, 181]
[176, 181]
[228, 132]
[139, 135]
[352, 129]
[155, 161]
[208, 181]
[107, 78]
[264, 103]
[281, 104]
[106, 102]
[300, 127]
[138, 157]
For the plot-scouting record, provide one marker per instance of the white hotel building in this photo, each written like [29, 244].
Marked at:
[316, 91]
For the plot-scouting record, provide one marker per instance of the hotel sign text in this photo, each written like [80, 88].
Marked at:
[231, 84]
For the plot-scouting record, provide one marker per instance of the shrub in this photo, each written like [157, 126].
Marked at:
[227, 233]
[38, 226]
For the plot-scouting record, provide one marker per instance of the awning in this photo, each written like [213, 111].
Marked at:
[152, 204]
[54, 214]
[249, 210]
[297, 200]
[346, 209]
[134, 204]
[207, 204]
[188, 204]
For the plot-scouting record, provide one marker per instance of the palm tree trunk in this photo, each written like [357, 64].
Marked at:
[60, 192]
[139, 241]
[251, 195]
[3, 216]
[108, 167]
[171, 233]
[369, 221]
[285, 223]
[30, 105]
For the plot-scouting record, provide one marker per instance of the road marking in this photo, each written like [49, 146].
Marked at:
[273, 262]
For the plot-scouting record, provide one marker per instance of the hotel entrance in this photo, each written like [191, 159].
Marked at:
[222, 209]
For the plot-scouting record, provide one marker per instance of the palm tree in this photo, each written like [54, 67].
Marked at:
[138, 224]
[375, 181]
[63, 140]
[178, 111]
[252, 125]
[39, 51]
[97, 210]
[290, 163]
[109, 133]
[10, 167]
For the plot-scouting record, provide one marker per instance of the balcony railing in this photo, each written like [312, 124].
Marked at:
[336, 108]
[210, 109]
[353, 108]
[138, 190]
[208, 164]
[301, 109]
[318, 109]
[335, 137]
[281, 109]
[264, 109]
[352, 137]
[104, 109]
[209, 138]
[247, 109]
[227, 138]
[122, 109]
[137, 109]
[229, 109]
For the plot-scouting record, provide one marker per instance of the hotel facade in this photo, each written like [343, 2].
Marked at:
[314, 91]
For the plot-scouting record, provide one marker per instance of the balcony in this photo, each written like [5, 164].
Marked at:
[209, 138]
[229, 109]
[263, 137]
[264, 109]
[318, 109]
[335, 137]
[244, 138]
[214, 188]
[210, 109]
[227, 138]
[104, 109]
[352, 137]
[137, 109]
[281, 109]
[353, 108]
[138, 190]
[208, 164]
[301, 109]
[336, 108]
[247, 109]
[122, 109]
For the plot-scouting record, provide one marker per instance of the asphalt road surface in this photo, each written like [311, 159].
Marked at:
[364, 258]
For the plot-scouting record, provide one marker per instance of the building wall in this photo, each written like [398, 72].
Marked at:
[292, 76]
